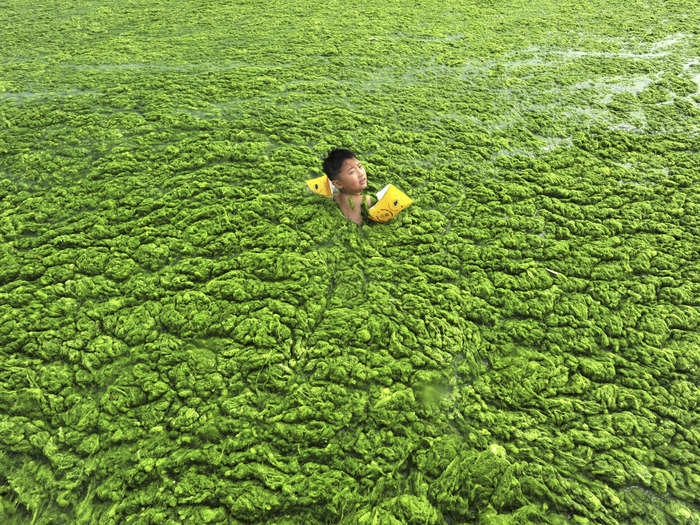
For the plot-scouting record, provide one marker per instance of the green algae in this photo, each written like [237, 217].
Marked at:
[189, 337]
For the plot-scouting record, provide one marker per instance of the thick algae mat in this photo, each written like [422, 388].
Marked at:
[190, 336]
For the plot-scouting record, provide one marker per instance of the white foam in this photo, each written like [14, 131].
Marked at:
[624, 126]
[512, 153]
[607, 54]
[536, 61]
[20, 94]
[504, 124]
[448, 38]
[617, 84]
[597, 115]
[690, 63]
[670, 40]
[554, 142]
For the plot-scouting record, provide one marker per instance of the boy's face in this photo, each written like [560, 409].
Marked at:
[352, 177]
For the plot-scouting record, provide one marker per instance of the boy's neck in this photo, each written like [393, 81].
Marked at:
[349, 194]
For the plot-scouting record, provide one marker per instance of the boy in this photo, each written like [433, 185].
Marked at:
[348, 175]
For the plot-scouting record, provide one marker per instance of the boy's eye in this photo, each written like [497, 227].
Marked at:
[357, 168]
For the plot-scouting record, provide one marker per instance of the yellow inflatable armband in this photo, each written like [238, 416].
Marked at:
[321, 185]
[391, 201]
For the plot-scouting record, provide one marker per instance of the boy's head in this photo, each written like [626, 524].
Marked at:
[345, 171]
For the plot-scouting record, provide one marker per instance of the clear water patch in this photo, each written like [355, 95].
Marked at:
[608, 86]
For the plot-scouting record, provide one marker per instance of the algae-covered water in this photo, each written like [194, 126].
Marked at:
[188, 335]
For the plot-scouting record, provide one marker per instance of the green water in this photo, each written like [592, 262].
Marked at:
[188, 335]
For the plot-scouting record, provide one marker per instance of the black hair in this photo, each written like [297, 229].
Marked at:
[334, 161]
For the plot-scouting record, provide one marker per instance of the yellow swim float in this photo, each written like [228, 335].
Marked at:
[321, 185]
